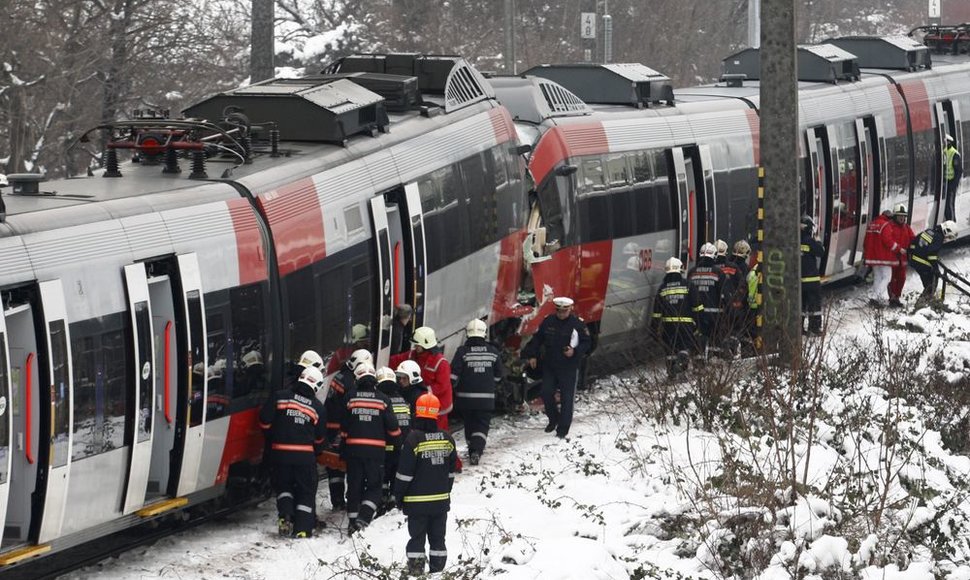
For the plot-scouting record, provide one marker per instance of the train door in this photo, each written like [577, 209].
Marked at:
[684, 185]
[819, 161]
[385, 282]
[193, 352]
[707, 213]
[865, 182]
[414, 255]
[6, 423]
[165, 375]
[141, 398]
[948, 123]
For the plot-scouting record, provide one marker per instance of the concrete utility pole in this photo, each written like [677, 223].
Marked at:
[754, 23]
[781, 264]
[510, 37]
[261, 48]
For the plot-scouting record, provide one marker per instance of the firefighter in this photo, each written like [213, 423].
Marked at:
[340, 384]
[359, 339]
[952, 172]
[903, 236]
[735, 292]
[388, 386]
[811, 250]
[707, 281]
[476, 371]
[294, 421]
[368, 426]
[674, 311]
[435, 368]
[923, 255]
[412, 385]
[401, 328]
[422, 486]
[881, 253]
[560, 343]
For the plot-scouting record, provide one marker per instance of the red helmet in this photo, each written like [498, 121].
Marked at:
[427, 406]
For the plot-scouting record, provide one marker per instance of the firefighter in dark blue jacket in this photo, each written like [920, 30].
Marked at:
[707, 280]
[811, 280]
[388, 386]
[295, 422]
[368, 426]
[476, 370]
[340, 384]
[675, 309]
[560, 344]
[923, 256]
[422, 486]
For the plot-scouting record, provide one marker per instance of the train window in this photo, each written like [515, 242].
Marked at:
[196, 361]
[550, 207]
[99, 351]
[845, 210]
[617, 171]
[591, 178]
[924, 162]
[143, 370]
[301, 302]
[5, 423]
[498, 163]
[480, 197]
[897, 169]
[61, 394]
[666, 208]
[249, 328]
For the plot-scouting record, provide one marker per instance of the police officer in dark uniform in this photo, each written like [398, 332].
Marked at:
[707, 281]
[923, 254]
[811, 280]
[674, 311]
[340, 384]
[295, 422]
[368, 426]
[422, 486]
[388, 386]
[476, 370]
[561, 342]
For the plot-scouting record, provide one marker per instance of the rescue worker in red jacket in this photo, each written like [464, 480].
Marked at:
[294, 421]
[435, 369]
[735, 292]
[903, 235]
[340, 384]
[422, 486]
[880, 252]
[368, 426]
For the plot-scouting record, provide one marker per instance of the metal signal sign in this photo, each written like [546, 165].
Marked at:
[587, 25]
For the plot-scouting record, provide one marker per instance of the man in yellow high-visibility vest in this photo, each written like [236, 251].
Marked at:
[952, 172]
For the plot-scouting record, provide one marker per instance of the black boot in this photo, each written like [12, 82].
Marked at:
[415, 566]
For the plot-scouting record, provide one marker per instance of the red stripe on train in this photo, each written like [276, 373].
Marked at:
[249, 243]
[297, 222]
[502, 125]
[754, 123]
[562, 142]
[244, 442]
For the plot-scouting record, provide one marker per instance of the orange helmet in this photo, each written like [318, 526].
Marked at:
[427, 406]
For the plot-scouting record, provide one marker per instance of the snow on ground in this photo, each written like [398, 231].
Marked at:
[628, 496]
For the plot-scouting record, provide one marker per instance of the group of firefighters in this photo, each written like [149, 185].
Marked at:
[711, 310]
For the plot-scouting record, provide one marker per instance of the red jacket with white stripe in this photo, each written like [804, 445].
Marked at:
[294, 420]
[880, 247]
[435, 372]
[369, 424]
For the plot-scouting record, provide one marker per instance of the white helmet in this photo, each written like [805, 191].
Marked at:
[386, 374]
[949, 138]
[673, 265]
[252, 358]
[364, 369]
[313, 377]
[900, 209]
[409, 369]
[708, 250]
[358, 356]
[721, 247]
[359, 333]
[310, 358]
[476, 329]
[742, 248]
[424, 337]
[949, 228]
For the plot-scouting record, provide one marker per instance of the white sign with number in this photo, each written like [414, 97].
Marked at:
[587, 27]
[934, 8]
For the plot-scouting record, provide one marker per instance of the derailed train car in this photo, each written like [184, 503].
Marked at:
[149, 307]
[629, 173]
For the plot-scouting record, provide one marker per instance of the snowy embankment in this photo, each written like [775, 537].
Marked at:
[853, 468]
